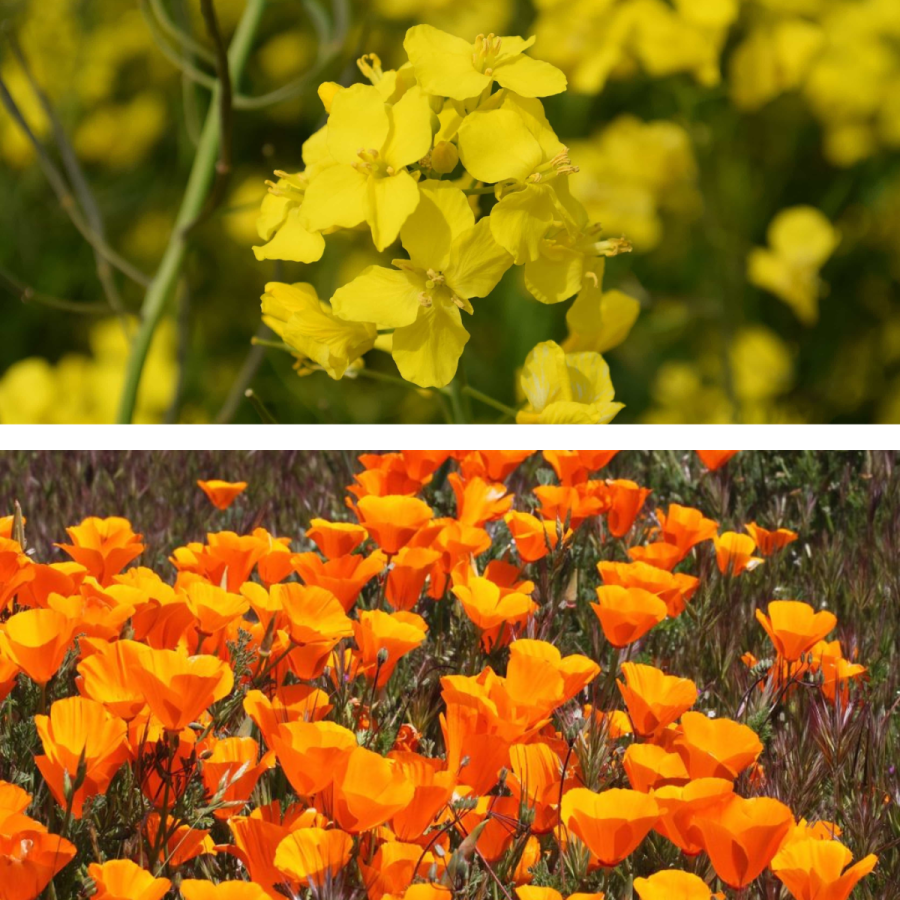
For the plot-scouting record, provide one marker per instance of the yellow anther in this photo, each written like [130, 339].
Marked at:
[592, 276]
[488, 71]
[425, 299]
[390, 170]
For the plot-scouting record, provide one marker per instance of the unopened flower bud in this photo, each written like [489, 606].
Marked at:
[444, 157]
[327, 92]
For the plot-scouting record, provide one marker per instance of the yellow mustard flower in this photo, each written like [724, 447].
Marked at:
[306, 324]
[449, 66]
[800, 241]
[599, 320]
[762, 365]
[566, 388]
[451, 260]
[372, 143]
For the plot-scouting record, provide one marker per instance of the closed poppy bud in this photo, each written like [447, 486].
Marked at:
[222, 493]
[610, 824]
[627, 614]
[653, 698]
[201, 889]
[37, 641]
[121, 879]
[672, 885]
[715, 459]
[795, 627]
[444, 157]
[734, 553]
[813, 869]
[769, 542]
[314, 856]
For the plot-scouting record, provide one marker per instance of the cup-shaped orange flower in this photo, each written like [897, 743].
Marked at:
[200, 889]
[367, 790]
[383, 639]
[672, 884]
[674, 589]
[178, 688]
[309, 753]
[658, 554]
[37, 641]
[716, 748]
[291, 703]
[534, 537]
[653, 698]
[627, 614]
[103, 546]
[230, 773]
[814, 869]
[343, 576]
[835, 671]
[314, 615]
[626, 499]
[222, 493]
[770, 542]
[734, 553]
[393, 867]
[28, 861]
[107, 676]
[314, 856]
[572, 505]
[84, 745]
[336, 539]
[433, 787]
[407, 576]
[610, 824]
[715, 459]
[650, 766]
[680, 805]
[213, 607]
[741, 836]
[496, 465]
[497, 613]
[479, 501]
[795, 627]
[121, 879]
[393, 520]
[685, 527]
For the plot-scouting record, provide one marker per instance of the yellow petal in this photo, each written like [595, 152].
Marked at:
[572, 413]
[443, 63]
[428, 351]
[496, 144]
[477, 262]
[803, 235]
[338, 197]
[316, 155]
[555, 275]
[599, 320]
[409, 136]
[391, 201]
[358, 120]
[530, 77]
[387, 297]
[443, 213]
[521, 219]
[293, 242]
[545, 377]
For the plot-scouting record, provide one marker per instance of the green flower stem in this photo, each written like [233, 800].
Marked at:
[198, 186]
[489, 401]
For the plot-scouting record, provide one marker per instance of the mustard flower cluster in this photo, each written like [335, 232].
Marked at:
[453, 155]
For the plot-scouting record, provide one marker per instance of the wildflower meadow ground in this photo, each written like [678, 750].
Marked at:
[449, 675]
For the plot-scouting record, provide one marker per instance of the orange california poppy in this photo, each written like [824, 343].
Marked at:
[309, 753]
[814, 869]
[186, 842]
[213, 607]
[433, 787]
[610, 824]
[534, 780]
[29, 858]
[107, 677]
[741, 836]
[538, 675]
[9, 672]
[409, 571]
[384, 482]
[479, 501]
[121, 879]
[650, 766]
[37, 641]
[685, 527]
[393, 520]
[626, 500]
[654, 699]
[734, 553]
[393, 868]
[499, 615]
[672, 884]
[680, 805]
[178, 688]
[367, 791]
[716, 748]
[16, 571]
[230, 772]
[627, 614]
[674, 589]
[201, 889]
[275, 563]
[422, 464]
[313, 856]
[658, 554]
[795, 627]
[343, 576]
[715, 459]
[290, 703]
[575, 466]
[534, 537]
[82, 742]
[495, 465]
[336, 539]
[835, 671]
[103, 546]
[572, 505]
[222, 493]
[383, 639]
[769, 542]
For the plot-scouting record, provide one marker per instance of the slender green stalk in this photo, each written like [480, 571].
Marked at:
[198, 186]
[475, 394]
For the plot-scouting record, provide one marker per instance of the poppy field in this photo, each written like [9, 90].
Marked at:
[450, 211]
[450, 675]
